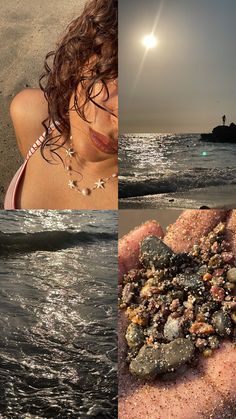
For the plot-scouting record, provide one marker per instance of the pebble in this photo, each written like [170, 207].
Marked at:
[208, 307]
[148, 291]
[218, 293]
[207, 352]
[181, 259]
[215, 261]
[201, 328]
[222, 323]
[218, 272]
[147, 364]
[202, 270]
[207, 277]
[172, 328]
[127, 293]
[190, 283]
[228, 257]
[137, 315]
[134, 336]
[231, 275]
[233, 317]
[196, 250]
[214, 342]
[175, 304]
[176, 354]
[230, 286]
[215, 247]
[153, 252]
[201, 343]
[152, 361]
[176, 294]
[218, 280]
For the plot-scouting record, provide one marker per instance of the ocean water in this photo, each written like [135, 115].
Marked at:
[174, 170]
[58, 343]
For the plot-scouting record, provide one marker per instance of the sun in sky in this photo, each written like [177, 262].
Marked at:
[150, 41]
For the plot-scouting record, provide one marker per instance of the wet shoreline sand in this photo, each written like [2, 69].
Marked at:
[212, 197]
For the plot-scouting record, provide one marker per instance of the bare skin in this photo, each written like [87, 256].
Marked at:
[206, 391]
[45, 185]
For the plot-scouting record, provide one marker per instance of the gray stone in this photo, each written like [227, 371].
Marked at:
[231, 275]
[176, 353]
[153, 252]
[173, 329]
[190, 283]
[147, 364]
[214, 342]
[134, 336]
[152, 361]
[222, 323]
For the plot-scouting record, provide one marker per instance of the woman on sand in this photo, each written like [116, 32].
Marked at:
[67, 131]
[205, 391]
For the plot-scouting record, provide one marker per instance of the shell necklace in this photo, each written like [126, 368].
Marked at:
[73, 184]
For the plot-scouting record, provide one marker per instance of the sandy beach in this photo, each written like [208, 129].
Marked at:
[28, 31]
[211, 197]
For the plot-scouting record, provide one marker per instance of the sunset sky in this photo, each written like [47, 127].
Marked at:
[188, 80]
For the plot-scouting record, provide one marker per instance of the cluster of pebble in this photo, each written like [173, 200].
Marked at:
[179, 305]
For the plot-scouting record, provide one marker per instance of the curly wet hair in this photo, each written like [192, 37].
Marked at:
[87, 54]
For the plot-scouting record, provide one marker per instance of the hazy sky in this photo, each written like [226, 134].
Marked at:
[188, 81]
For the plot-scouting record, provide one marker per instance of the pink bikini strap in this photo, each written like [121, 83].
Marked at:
[39, 141]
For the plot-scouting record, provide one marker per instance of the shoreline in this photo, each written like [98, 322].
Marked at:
[212, 197]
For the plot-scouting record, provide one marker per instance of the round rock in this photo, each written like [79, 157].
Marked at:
[134, 336]
[222, 323]
[152, 361]
[153, 252]
[173, 329]
[231, 275]
[176, 353]
[147, 363]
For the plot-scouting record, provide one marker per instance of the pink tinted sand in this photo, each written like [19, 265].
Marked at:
[231, 230]
[180, 236]
[199, 390]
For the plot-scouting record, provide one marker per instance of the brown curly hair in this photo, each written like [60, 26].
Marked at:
[87, 54]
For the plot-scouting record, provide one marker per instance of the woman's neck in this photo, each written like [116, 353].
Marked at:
[101, 168]
[100, 165]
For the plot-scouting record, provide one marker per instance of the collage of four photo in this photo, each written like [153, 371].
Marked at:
[118, 209]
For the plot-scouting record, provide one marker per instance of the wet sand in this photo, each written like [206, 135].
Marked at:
[28, 30]
[211, 197]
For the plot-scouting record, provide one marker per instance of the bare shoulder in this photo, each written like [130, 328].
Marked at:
[28, 109]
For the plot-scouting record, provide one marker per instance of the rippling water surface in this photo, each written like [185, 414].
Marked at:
[58, 280]
[152, 164]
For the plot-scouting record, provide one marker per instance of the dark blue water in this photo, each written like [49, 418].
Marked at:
[152, 164]
[58, 281]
